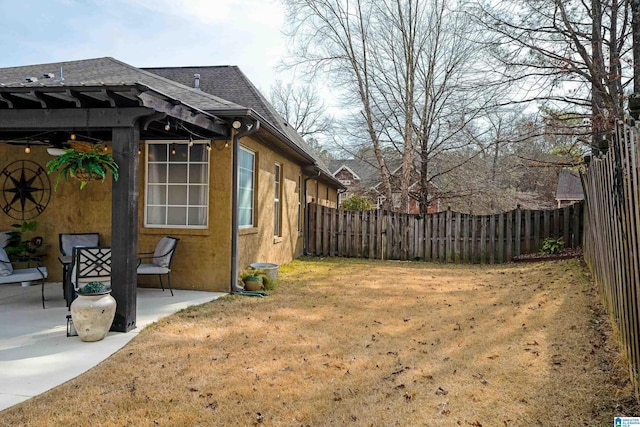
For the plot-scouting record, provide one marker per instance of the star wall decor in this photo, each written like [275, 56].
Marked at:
[26, 190]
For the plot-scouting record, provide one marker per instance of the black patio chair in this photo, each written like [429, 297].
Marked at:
[90, 264]
[68, 241]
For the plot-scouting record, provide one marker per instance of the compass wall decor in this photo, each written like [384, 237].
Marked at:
[26, 189]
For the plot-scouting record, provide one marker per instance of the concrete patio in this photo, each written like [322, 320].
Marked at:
[35, 352]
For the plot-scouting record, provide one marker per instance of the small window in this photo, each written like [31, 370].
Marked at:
[300, 203]
[277, 208]
[246, 187]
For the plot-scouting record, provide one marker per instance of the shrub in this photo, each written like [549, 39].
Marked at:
[356, 203]
[551, 245]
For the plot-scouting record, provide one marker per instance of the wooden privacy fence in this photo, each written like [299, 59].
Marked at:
[445, 236]
[612, 233]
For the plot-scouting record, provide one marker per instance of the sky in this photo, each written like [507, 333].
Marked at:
[147, 33]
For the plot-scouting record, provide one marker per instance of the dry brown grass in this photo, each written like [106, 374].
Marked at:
[352, 342]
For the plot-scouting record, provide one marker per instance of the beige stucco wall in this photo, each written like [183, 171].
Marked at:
[203, 257]
[69, 210]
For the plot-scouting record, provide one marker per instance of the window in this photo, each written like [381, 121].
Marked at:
[277, 214]
[300, 196]
[177, 185]
[246, 187]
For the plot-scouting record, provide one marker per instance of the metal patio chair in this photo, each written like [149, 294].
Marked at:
[159, 261]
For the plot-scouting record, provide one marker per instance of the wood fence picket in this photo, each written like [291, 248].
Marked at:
[445, 236]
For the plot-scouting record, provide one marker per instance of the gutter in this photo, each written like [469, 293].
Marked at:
[235, 234]
[251, 114]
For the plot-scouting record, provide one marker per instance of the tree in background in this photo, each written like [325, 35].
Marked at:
[410, 74]
[357, 203]
[573, 56]
[302, 107]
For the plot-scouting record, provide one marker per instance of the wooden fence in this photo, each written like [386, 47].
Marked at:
[445, 236]
[612, 236]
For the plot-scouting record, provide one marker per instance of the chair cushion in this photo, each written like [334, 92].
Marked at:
[70, 241]
[6, 269]
[152, 269]
[160, 255]
[25, 275]
[4, 238]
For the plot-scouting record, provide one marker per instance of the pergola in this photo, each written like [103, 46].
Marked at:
[124, 113]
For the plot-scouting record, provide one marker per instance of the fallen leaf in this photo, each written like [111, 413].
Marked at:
[441, 392]
[495, 356]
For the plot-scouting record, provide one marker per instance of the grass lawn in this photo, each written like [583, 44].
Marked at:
[366, 343]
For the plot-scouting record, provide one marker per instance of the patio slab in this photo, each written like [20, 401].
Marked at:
[35, 352]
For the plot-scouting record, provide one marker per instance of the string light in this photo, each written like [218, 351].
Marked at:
[167, 127]
[226, 143]
[72, 137]
[208, 146]
[27, 149]
[105, 148]
[173, 149]
[190, 141]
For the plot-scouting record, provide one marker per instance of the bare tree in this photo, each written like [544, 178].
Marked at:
[407, 72]
[572, 55]
[302, 107]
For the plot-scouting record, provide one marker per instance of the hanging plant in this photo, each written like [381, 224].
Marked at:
[84, 164]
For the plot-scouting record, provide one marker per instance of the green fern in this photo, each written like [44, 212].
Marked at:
[95, 163]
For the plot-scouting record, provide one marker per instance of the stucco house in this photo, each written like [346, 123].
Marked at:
[362, 178]
[205, 159]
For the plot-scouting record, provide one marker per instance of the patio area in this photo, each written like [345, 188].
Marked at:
[35, 353]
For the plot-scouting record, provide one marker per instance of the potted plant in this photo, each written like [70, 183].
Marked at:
[20, 247]
[84, 163]
[93, 311]
[252, 279]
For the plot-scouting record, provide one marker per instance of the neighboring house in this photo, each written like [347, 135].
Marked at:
[176, 156]
[569, 188]
[361, 178]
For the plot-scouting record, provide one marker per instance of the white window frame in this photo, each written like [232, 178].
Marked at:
[252, 189]
[300, 196]
[168, 183]
[277, 200]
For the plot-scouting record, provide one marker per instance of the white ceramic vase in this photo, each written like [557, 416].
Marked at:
[93, 315]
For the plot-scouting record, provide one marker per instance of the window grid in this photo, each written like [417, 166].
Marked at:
[246, 187]
[277, 214]
[300, 195]
[195, 214]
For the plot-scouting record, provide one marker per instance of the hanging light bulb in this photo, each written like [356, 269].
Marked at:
[190, 141]
[72, 137]
[226, 143]
[167, 127]
[139, 150]
[208, 146]
[105, 148]
[27, 149]
[173, 149]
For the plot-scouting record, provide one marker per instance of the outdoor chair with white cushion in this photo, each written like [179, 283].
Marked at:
[159, 261]
[8, 274]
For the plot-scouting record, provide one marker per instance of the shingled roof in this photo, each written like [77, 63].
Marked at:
[230, 83]
[225, 90]
[569, 186]
[106, 72]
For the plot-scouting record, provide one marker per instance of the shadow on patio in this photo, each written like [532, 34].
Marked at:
[36, 354]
